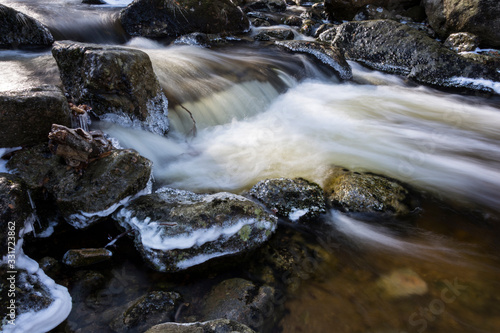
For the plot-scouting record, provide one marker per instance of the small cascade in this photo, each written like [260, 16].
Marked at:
[34, 217]
[79, 116]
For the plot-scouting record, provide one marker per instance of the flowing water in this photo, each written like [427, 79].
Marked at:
[242, 113]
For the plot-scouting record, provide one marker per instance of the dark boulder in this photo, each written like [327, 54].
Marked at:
[331, 56]
[462, 42]
[242, 301]
[296, 199]
[367, 193]
[27, 115]
[212, 326]
[480, 17]
[168, 18]
[175, 230]
[265, 5]
[109, 180]
[275, 34]
[118, 83]
[154, 308]
[396, 48]
[20, 30]
[346, 9]
[85, 257]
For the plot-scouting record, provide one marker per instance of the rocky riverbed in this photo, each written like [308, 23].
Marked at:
[120, 248]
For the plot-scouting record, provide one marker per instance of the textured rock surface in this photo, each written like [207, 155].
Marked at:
[396, 48]
[327, 54]
[176, 230]
[462, 42]
[83, 195]
[20, 30]
[117, 83]
[363, 192]
[27, 115]
[346, 9]
[168, 18]
[152, 309]
[212, 326]
[242, 301]
[85, 257]
[480, 17]
[296, 199]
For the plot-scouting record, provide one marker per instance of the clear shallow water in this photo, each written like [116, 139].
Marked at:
[262, 114]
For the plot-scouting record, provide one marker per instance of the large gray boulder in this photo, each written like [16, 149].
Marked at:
[20, 30]
[480, 17]
[346, 9]
[396, 48]
[175, 230]
[118, 83]
[211, 326]
[83, 195]
[27, 115]
[168, 18]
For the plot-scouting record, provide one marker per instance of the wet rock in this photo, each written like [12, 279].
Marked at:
[118, 83]
[265, 5]
[371, 12]
[331, 56]
[480, 17]
[110, 180]
[462, 42]
[176, 230]
[275, 33]
[367, 193]
[159, 18]
[20, 30]
[86, 257]
[152, 309]
[346, 9]
[402, 283]
[27, 115]
[15, 210]
[85, 283]
[242, 301]
[77, 146]
[396, 48]
[296, 199]
[195, 38]
[50, 266]
[212, 326]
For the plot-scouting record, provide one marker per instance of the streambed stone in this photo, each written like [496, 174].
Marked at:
[27, 115]
[175, 230]
[20, 30]
[211, 326]
[83, 195]
[160, 18]
[402, 283]
[86, 257]
[296, 199]
[331, 56]
[367, 193]
[393, 47]
[118, 83]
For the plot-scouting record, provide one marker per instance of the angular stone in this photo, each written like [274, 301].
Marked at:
[118, 83]
[86, 257]
[27, 115]
[462, 42]
[20, 30]
[296, 199]
[176, 229]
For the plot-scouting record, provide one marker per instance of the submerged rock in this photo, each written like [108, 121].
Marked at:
[331, 56]
[27, 115]
[480, 17]
[176, 230]
[118, 83]
[402, 283]
[396, 48]
[296, 199]
[212, 326]
[85, 257]
[242, 301]
[367, 193]
[152, 309]
[160, 18]
[20, 30]
[83, 196]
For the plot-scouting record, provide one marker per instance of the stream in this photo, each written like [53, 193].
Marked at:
[263, 113]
